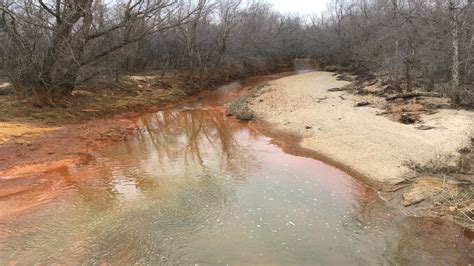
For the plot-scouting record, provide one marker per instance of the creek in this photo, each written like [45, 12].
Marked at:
[193, 186]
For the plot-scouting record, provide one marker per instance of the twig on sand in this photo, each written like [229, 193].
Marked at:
[336, 89]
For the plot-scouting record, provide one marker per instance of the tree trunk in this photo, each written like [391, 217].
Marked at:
[396, 61]
[408, 78]
[455, 45]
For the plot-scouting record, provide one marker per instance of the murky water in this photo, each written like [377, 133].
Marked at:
[196, 187]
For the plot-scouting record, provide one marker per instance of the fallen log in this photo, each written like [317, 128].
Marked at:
[413, 95]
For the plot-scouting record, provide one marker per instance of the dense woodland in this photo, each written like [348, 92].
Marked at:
[49, 47]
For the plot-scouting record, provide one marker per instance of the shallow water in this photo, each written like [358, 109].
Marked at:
[193, 186]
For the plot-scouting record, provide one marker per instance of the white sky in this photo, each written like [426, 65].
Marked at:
[303, 7]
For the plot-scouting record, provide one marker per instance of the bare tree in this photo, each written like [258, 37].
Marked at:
[413, 41]
[227, 11]
[457, 9]
[51, 45]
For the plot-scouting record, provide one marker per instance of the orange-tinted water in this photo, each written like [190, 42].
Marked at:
[194, 186]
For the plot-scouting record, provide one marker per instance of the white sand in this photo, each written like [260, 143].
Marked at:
[357, 137]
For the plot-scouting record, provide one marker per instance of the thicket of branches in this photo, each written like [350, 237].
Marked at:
[425, 42]
[49, 47]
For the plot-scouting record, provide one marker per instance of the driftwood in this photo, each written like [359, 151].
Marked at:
[361, 104]
[413, 95]
[336, 89]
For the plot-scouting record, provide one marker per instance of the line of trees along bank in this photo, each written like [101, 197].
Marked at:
[424, 42]
[49, 47]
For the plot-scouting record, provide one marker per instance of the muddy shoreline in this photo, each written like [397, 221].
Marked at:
[46, 144]
[27, 158]
[72, 142]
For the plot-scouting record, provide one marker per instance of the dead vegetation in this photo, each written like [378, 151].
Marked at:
[450, 190]
[104, 98]
[50, 49]
[240, 107]
[107, 96]
[381, 92]
[19, 132]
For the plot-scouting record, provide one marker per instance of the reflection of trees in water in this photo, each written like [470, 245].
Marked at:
[197, 137]
[199, 144]
[196, 143]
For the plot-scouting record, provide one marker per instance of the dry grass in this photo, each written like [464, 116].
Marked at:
[453, 203]
[11, 131]
[21, 121]
[461, 203]
[90, 102]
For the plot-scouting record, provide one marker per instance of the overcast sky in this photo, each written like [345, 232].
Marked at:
[300, 6]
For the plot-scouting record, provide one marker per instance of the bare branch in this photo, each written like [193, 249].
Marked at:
[49, 10]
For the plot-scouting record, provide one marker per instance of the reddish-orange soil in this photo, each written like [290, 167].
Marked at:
[71, 142]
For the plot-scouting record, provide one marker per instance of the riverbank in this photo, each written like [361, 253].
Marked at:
[353, 132]
[357, 132]
[36, 139]
[68, 177]
[21, 119]
[189, 174]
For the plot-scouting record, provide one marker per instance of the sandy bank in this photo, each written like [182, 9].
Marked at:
[358, 137]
